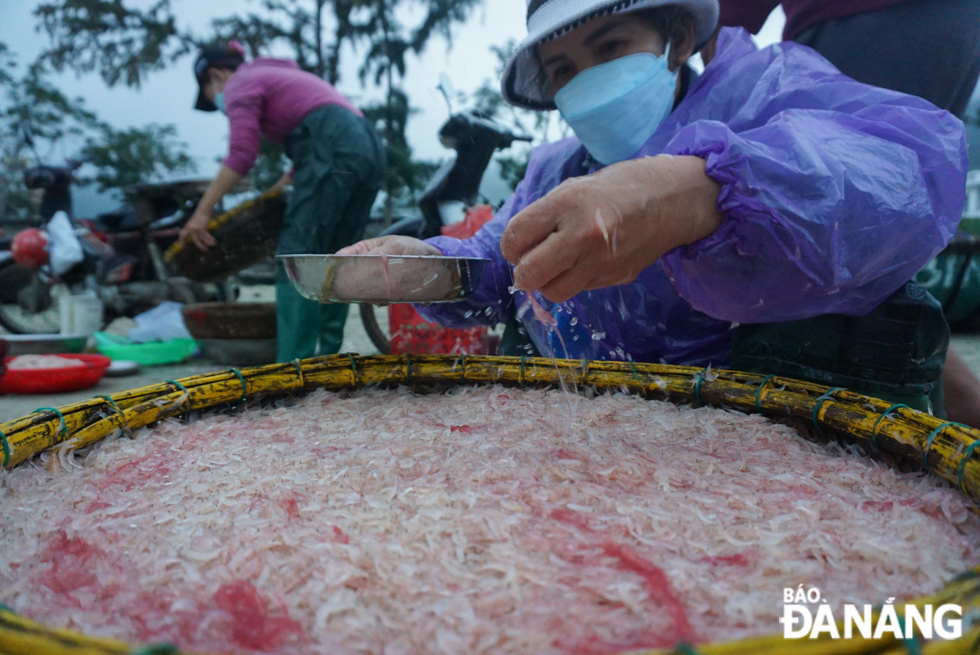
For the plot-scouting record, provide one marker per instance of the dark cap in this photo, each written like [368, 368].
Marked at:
[218, 55]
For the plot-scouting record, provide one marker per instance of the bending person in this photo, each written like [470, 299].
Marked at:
[756, 193]
[339, 168]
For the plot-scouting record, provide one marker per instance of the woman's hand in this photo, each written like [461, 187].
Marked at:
[603, 230]
[391, 245]
[196, 231]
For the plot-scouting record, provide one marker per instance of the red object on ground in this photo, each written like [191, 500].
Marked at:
[55, 380]
[29, 248]
[412, 334]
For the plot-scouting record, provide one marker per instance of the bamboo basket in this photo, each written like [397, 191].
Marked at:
[947, 449]
[246, 235]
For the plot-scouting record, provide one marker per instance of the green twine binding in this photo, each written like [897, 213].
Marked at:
[961, 469]
[6, 449]
[911, 644]
[241, 378]
[462, 364]
[182, 388]
[408, 368]
[520, 378]
[697, 387]
[353, 367]
[820, 402]
[874, 433]
[636, 373]
[932, 437]
[64, 426]
[299, 373]
[966, 575]
[122, 417]
[758, 392]
[685, 649]
[156, 649]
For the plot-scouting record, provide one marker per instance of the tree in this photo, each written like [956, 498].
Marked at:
[104, 36]
[118, 157]
[136, 155]
[123, 44]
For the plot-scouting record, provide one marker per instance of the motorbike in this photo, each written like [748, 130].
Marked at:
[451, 194]
[122, 261]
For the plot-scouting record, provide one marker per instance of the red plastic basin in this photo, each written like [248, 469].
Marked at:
[55, 380]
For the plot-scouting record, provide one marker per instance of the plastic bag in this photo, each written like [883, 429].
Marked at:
[162, 323]
[64, 247]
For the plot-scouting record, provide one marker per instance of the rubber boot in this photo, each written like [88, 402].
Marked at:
[297, 324]
[333, 317]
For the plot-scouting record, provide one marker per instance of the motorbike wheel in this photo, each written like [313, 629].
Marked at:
[377, 334]
[20, 284]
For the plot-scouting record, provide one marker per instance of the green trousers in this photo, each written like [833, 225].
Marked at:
[339, 168]
[896, 352]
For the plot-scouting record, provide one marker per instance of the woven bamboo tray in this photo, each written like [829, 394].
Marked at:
[246, 235]
[946, 449]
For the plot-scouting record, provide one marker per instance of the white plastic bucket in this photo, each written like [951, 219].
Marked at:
[81, 314]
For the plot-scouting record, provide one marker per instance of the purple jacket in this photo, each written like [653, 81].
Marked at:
[834, 195]
[269, 98]
[801, 15]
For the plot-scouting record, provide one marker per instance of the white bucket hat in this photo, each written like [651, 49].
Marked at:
[524, 84]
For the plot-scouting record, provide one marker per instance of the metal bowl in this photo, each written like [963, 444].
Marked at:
[45, 344]
[380, 280]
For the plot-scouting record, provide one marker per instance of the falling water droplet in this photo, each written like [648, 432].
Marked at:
[574, 321]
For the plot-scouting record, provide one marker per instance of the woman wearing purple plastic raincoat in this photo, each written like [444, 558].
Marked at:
[768, 190]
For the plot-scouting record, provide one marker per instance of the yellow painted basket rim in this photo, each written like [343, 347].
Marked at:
[943, 447]
[177, 247]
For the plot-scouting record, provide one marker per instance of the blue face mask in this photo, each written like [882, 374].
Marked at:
[219, 101]
[614, 108]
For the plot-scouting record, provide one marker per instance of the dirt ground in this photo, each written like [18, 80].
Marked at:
[355, 340]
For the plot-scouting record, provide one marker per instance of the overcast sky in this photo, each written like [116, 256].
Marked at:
[167, 96]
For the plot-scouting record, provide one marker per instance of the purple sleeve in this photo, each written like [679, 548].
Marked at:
[829, 206]
[492, 302]
[750, 14]
[244, 110]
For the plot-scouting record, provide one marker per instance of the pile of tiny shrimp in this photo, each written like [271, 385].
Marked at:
[482, 520]
[31, 362]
